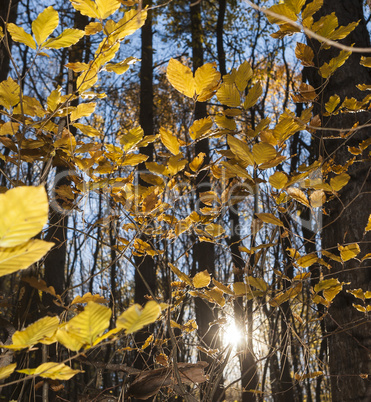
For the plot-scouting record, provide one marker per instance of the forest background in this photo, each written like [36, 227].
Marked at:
[184, 207]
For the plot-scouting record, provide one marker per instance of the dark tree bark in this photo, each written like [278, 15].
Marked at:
[349, 331]
[203, 253]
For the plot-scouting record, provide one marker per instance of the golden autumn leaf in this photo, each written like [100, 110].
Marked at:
[181, 275]
[136, 317]
[200, 127]
[348, 252]
[197, 161]
[18, 34]
[240, 149]
[225, 122]
[13, 259]
[284, 296]
[45, 24]
[331, 104]
[201, 279]
[93, 28]
[67, 38]
[54, 371]
[87, 297]
[338, 182]
[270, 218]
[107, 7]
[34, 333]
[214, 230]
[253, 95]
[170, 141]
[223, 288]
[317, 198]
[298, 195]
[23, 214]
[278, 180]
[86, 7]
[243, 75]
[228, 95]
[9, 93]
[263, 152]
[305, 54]
[329, 68]
[6, 371]
[133, 159]
[90, 323]
[307, 260]
[83, 110]
[9, 128]
[368, 226]
[131, 22]
[206, 81]
[181, 78]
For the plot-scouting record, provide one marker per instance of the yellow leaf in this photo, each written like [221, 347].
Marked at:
[23, 214]
[236, 170]
[241, 289]
[206, 81]
[34, 333]
[54, 371]
[253, 95]
[181, 275]
[134, 159]
[93, 28]
[169, 140]
[107, 7]
[7, 370]
[68, 340]
[215, 295]
[197, 161]
[89, 324]
[83, 110]
[298, 195]
[240, 149]
[278, 180]
[147, 342]
[349, 252]
[332, 103]
[87, 130]
[45, 24]
[67, 38]
[87, 297]
[311, 8]
[214, 230]
[131, 22]
[9, 128]
[295, 5]
[263, 152]
[243, 76]
[54, 99]
[201, 279]
[181, 78]
[289, 294]
[225, 122]
[228, 95]
[222, 287]
[329, 68]
[368, 227]
[18, 34]
[136, 317]
[270, 218]
[12, 259]
[176, 164]
[86, 7]
[120, 68]
[305, 54]
[284, 10]
[338, 182]
[307, 260]
[200, 127]
[317, 198]
[9, 93]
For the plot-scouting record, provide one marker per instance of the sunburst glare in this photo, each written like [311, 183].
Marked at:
[232, 335]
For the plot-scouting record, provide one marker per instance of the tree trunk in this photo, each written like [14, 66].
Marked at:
[349, 330]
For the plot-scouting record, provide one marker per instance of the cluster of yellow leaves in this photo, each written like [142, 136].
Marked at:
[23, 214]
[84, 330]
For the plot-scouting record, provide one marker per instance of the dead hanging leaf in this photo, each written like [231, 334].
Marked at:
[298, 195]
[149, 383]
[39, 284]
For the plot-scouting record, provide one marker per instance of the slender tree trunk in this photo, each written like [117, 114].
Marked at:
[203, 253]
[349, 330]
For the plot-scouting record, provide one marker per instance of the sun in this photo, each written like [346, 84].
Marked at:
[232, 335]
